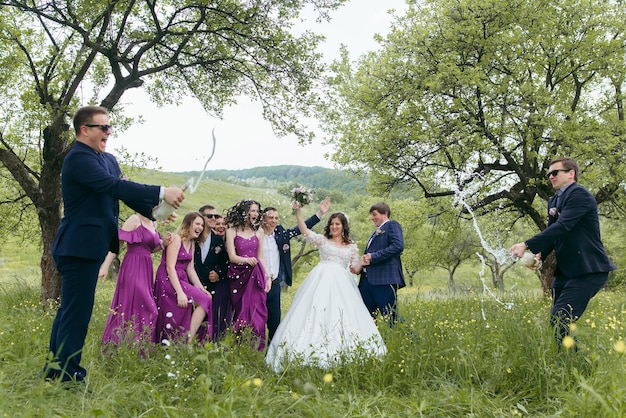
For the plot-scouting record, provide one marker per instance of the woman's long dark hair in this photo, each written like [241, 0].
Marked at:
[237, 216]
[345, 234]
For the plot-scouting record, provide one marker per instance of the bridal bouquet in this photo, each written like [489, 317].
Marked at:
[301, 195]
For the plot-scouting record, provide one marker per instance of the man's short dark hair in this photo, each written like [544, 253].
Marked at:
[568, 164]
[382, 208]
[206, 207]
[267, 209]
[84, 115]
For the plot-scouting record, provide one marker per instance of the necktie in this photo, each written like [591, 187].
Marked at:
[557, 199]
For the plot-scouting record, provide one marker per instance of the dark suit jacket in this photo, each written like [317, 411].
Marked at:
[216, 259]
[574, 233]
[91, 189]
[283, 236]
[386, 247]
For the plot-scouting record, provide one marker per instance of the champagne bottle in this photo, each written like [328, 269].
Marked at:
[163, 210]
[529, 260]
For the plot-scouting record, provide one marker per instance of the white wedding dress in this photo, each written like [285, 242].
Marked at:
[328, 323]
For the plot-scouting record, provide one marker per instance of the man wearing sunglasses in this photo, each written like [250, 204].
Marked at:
[92, 186]
[211, 263]
[573, 232]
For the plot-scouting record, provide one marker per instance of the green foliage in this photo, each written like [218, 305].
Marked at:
[480, 95]
[445, 359]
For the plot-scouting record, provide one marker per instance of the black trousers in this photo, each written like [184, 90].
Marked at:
[273, 309]
[79, 277]
[381, 298]
[570, 299]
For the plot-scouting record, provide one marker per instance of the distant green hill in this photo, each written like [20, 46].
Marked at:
[287, 176]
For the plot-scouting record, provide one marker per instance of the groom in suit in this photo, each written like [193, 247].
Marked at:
[211, 263]
[92, 185]
[382, 275]
[573, 232]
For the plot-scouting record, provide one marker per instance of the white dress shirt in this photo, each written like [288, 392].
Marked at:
[271, 255]
[206, 245]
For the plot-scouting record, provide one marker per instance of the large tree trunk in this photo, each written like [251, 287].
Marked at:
[48, 202]
[497, 275]
[50, 278]
[547, 272]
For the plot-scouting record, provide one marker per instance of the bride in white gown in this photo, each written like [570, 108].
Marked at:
[327, 323]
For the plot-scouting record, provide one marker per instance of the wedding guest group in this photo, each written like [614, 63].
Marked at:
[223, 273]
[92, 185]
[573, 232]
[215, 271]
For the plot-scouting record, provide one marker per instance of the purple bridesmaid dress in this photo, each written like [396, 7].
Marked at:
[247, 291]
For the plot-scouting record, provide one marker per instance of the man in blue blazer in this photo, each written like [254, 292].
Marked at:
[382, 274]
[211, 263]
[92, 186]
[573, 232]
[277, 255]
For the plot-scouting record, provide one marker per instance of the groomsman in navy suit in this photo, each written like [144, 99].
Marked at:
[92, 185]
[573, 232]
[277, 255]
[382, 275]
[211, 263]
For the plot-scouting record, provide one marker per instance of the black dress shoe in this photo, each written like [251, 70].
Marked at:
[74, 385]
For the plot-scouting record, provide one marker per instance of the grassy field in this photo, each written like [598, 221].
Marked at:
[456, 354]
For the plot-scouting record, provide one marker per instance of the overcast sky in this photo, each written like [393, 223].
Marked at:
[176, 135]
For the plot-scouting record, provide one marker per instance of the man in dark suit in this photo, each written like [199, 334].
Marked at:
[382, 274]
[573, 232]
[277, 255]
[92, 184]
[211, 263]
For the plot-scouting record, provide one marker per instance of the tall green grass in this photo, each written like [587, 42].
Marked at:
[453, 355]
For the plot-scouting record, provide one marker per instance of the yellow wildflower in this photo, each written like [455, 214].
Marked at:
[568, 342]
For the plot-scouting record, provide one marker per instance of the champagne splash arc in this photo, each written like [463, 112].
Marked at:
[163, 211]
[193, 185]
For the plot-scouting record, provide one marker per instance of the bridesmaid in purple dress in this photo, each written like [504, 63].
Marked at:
[181, 299]
[248, 282]
[133, 313]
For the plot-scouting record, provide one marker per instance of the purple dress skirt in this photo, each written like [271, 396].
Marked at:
[173, 322]
[247, 291]
[222, 312]
[133, 314]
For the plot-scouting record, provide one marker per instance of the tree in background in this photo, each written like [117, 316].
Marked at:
[59, 55]
[483, 93]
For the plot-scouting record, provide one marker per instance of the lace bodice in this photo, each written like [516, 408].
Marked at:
[329, 252]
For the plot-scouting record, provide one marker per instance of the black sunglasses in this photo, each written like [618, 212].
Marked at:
[105, 128]
[212, 215]
[556, 172]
